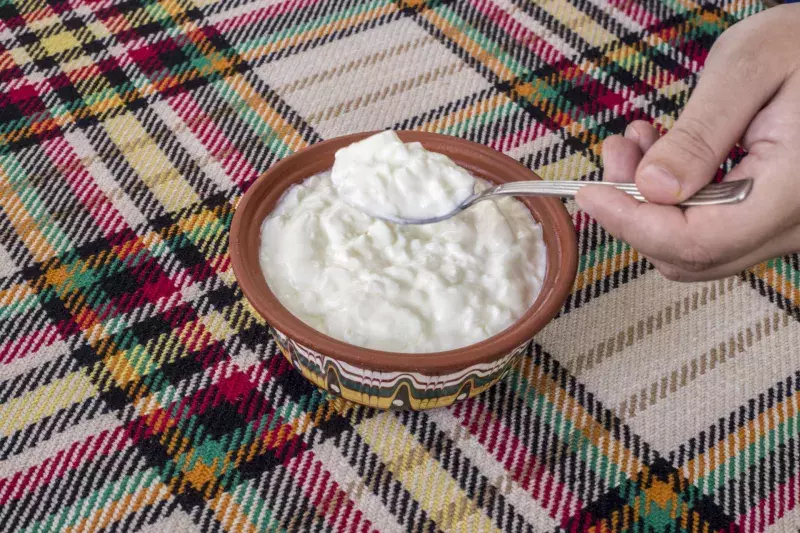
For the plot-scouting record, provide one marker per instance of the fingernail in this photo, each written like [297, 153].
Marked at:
[632, 134]
[662, 179]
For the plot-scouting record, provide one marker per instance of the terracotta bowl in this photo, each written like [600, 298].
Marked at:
[399, 380]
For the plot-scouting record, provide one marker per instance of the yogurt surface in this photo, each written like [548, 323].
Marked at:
[387, 178]
[412, 289]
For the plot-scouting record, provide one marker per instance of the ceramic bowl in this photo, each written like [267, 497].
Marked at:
[400, 380]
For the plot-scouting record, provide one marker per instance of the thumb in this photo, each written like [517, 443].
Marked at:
[715, 118]
[681, 162]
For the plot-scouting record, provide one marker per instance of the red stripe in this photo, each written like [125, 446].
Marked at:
[518, 138]
[79, 453]
[316, 483]
[29, 344]
[518, 32]
[531, 478]
[234, 163]
[102, 210]
[781, 500]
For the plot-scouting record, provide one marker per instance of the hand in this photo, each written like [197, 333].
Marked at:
[749, 92]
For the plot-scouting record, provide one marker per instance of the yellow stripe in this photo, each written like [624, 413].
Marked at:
[153, 167]
[44, 401]
[24, 224]
[568, 168]
[579, 22]
[423, 476]
[120, 368]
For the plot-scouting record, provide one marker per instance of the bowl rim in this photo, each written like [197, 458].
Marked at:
[541, 312]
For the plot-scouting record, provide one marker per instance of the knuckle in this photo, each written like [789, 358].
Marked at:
[727, 39]
[734, 41]
[690, 137]
[736, 47]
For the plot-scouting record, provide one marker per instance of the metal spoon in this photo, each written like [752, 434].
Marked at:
[728, 192]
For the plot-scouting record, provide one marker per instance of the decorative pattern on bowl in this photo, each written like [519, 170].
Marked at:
[393, 390]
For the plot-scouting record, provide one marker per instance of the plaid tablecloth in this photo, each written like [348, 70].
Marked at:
[139, 392]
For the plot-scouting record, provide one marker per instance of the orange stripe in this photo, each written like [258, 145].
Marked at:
[119, 509]
[592, 430]
[606, 268]
[24, 224]
[778, 282]
[467, 43]
[228, 512]
[743, 437]
[16, 293]
[460, 115]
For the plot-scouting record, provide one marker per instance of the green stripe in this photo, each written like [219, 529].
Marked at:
[20, 306]
[603, 252]
[482, 119]
[490, 46]
[28, 196]
[566, 430]
[715, 479]
[254, 507]
[69, 516]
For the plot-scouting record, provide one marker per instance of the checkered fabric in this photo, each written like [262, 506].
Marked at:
[138, 392]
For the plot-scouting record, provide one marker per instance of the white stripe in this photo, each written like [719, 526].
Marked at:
[351, 483]
[523, 503]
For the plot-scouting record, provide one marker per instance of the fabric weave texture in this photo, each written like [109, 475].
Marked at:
[140, 393]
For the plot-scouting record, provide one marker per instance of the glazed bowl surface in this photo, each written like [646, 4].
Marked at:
[400, 380]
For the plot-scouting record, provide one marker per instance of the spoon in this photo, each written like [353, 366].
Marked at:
[727, 192]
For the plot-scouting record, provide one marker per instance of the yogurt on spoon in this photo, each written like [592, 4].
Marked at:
[392, 180]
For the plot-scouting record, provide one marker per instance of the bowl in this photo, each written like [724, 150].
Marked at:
[388, 380]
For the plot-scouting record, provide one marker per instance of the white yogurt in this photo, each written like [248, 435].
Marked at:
[393, 180]
[413, 289]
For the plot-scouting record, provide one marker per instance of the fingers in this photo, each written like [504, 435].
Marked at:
[642, 133]
[654, 230]
[777, 247]
[621, 156]
[732, 89]
[695, 243]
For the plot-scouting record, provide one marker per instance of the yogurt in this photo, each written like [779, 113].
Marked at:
[411, 289]
[389, 179]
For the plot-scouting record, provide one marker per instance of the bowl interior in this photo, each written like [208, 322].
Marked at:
[481, 161]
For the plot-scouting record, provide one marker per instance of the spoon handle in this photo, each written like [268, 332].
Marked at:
[727, 192]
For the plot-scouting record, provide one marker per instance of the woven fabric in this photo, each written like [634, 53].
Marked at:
[138, 390]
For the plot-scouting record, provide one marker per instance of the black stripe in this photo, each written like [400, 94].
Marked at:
[43, 430]
[485, 494]
[382, 483]
[737, 418]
